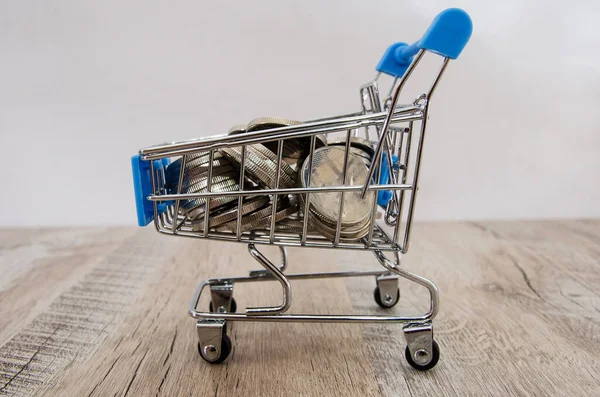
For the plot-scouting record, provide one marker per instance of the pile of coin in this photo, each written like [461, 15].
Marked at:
[261, 167]
[324, 209]
[225, 178]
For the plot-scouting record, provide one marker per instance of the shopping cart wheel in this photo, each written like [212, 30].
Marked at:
[388, 301]
[232, 307]
[219, 356]
[387, 293]
[435, 357]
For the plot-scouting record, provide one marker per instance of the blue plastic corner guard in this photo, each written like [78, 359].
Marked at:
[447, 36]
[384, 178]
[142, 186]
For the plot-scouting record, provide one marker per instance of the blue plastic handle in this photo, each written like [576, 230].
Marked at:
[447, 36]
[142, 186]
[384, 178]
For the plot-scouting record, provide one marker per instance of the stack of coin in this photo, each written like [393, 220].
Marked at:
[261, 219]
[327, 170]
[229, 213]
[225, 178]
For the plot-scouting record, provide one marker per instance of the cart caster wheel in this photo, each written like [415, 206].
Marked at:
[390, 303]
[233, 306]
[226, 348]
[434, 359]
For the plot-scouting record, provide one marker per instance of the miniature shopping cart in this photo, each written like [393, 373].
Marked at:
[396, 132]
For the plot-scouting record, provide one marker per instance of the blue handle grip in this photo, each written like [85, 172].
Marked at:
[447, 36]
[384, 178]
[142, 186]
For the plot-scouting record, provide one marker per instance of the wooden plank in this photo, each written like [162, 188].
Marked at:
[37, 265]
[520, 315]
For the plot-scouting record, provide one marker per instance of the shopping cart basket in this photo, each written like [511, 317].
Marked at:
[353, 186]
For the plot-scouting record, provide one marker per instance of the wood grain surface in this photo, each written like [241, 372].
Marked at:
[103, 312]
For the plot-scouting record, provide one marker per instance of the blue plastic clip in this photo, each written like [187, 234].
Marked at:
[142, 185]
[384, 178]
[447, 36]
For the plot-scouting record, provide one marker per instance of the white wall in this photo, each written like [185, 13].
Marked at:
[84, 85]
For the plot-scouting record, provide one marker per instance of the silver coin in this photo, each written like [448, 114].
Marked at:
[191, 204]
[204, 166]
[173, 169]
[328, 229]
[264, 123]
[262, 218]
[200, 158]
[365, 159]
[219, 203]
[293, 226]
[293, 148]
[253, 167]
[349, 227]
[196, 155]
[260, 168]
[249, 219]
[355, 142]
[201, 178]
[265, 223]
[270, 156]
[345, 228]
[215, 203]
[345, 236]
[237, 129]
[217, 181]
[328, 164]
[202, 183]
[224, 216]
[196, 207]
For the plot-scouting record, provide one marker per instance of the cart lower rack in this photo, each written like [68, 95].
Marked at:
[344, 182]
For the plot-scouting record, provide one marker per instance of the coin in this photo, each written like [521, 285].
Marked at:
[345, 234]
[262, 218]
[268, 155]
[359, 146]
[228, 214]
[195, 207]
[202, 183]
[200, 158]
[355, 142]
[237, 129]
[293, 226]
[259, 167]
[265, 223]
[328, 164]
[192, 161]
[199, 168]
[293, 148]
[264, 123]
[348, 232]
[215, 203]
[193, 179]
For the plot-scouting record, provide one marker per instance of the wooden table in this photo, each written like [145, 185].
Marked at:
[103, 312]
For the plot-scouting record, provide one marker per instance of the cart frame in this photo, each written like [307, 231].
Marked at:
[390, 171]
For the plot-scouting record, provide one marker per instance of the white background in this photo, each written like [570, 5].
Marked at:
[84, 85]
